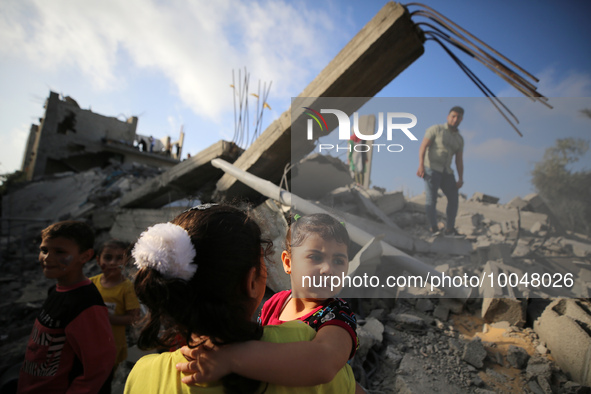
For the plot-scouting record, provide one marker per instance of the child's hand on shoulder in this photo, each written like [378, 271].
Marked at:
[206, 363]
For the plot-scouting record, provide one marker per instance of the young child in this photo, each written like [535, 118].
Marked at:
[316, 246]
[118, 294]
[203, 276]
[71, 348]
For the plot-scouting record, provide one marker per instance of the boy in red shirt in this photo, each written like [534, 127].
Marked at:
[71, 348]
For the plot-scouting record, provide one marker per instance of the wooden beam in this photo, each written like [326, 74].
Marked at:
[380, 51]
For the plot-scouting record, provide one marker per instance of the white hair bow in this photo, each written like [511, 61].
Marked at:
[168, 249]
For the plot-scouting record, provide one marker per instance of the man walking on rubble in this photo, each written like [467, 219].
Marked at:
[440, 144]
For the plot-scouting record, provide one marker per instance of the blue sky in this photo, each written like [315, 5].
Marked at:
[170, 63]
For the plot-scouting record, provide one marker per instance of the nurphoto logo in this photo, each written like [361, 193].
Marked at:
[345, 127]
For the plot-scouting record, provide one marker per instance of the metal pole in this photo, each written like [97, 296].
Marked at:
[358, 235]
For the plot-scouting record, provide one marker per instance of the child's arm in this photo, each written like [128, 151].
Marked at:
[124, 320]
[307, 363]
[131, 305]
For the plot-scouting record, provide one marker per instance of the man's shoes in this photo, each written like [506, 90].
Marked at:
[435, 232]
[452, 233]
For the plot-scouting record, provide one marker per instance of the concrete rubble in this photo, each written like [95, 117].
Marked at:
[516, 337]
[407, 344]
[410, 341]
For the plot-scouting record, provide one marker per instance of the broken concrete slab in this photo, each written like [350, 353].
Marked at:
[181, 180]
[495, 213]
[468, 223]
[517, 202]
[357, 235]
[474, 353]
[53, 198]
[316, 175]
[441, 312]
[130, 223]
[377, 54]
[580, 249]
[391, 202]
[500, 303]
[405, 241]
[537, 204]
[484, 198]
[517, 357]
[504, 309]
[369, 334]
[372, 208]
[565, 327]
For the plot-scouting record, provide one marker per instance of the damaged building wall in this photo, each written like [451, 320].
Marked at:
[70, 138]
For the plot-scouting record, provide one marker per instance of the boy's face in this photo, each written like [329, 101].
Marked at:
[62, 260]
[318, 259]
[112, 260]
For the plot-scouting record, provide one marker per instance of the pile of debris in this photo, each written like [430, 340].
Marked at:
[454, 338]
[495, 339]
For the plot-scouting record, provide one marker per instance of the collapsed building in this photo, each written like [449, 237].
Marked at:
[84, 166]
[70, 138]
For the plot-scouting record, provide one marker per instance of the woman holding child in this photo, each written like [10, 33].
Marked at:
[202, 276]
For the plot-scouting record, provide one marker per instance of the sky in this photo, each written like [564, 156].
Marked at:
[171, 64]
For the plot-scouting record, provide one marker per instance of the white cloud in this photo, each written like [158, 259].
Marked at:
[552, 84]
[194, 44]
[11, 145]
[572, 84]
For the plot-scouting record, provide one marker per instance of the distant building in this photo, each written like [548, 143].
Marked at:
[70, 138]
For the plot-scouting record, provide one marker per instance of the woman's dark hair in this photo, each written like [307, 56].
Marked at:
[326, 226]
[214, 302]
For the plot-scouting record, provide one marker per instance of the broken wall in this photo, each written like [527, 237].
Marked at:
[68, 131]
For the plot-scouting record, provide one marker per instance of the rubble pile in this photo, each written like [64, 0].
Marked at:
[407, 349]
[520, 339]
[529, 335]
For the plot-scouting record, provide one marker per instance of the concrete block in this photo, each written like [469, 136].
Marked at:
[408, 320]
[454, 306]
[541, 349]
[537, 227]
[424, 305]
[580, 249]
[391, 202]
[130, 223]
[468, 223]
[517, 202]
[537, 367]
[182, 179]
[517, 357]
[474, 353]
[565, 328]
[500, 251]
[456, 246]
[393, 356]
[441, 312]
[492, 212]
[316, 175]
[504, 309]
[481, 197]
[369, 334]
[522, 249]
[495, 229]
